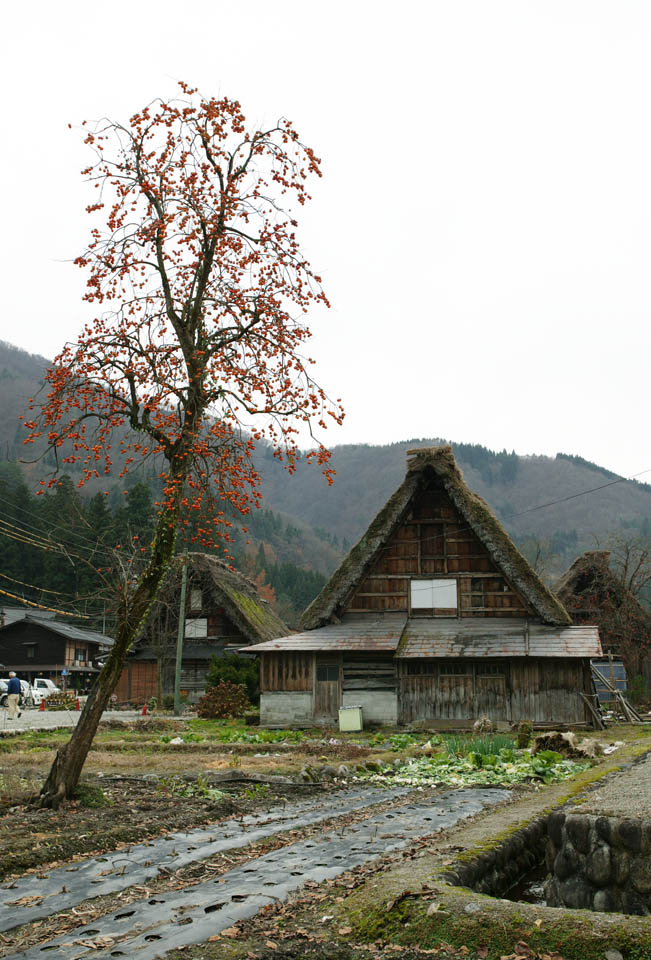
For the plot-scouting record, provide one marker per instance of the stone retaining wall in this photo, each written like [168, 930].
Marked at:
[499, 868]
[599, 863]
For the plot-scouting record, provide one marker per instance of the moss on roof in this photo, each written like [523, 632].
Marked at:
[424, 464]
[238, 596]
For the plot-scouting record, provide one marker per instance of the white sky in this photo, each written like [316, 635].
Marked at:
[483, 225]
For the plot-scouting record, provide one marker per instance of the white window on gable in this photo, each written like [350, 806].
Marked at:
[195, 600]
[197, 628]
[434, 595]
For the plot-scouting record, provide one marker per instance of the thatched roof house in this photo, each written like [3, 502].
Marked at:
[434, 616]
[223, 611]
[593, 593]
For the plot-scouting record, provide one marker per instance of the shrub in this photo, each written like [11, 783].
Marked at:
[236, 669]
[168, 701]
[224, 700]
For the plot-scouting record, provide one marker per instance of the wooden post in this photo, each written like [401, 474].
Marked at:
[179, 638]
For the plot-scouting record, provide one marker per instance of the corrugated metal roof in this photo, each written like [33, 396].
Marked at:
[359, 634]
[65, 630]
[433, 637]
[496, 638]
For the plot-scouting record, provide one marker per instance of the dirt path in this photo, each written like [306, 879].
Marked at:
[34, 719]
[197, 912]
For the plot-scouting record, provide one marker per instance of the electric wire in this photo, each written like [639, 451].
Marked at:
[33, 586]
[37, 532]
[29, 532]
[40, 606]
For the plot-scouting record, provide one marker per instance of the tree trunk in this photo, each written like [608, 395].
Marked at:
[69, 760]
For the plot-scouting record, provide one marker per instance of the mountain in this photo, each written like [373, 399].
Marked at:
[543, 501]
[522, 490]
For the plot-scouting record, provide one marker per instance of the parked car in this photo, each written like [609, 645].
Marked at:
[28, 696]
[45, 687]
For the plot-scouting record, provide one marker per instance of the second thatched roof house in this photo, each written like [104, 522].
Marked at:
[434, 617]
[223, 611]
[593, 593]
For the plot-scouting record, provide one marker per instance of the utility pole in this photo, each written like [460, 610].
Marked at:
[179, 637]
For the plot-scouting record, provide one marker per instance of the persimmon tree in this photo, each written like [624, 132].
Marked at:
[200, 291]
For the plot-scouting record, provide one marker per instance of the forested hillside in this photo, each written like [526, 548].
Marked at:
[522, 490]
[305, 527]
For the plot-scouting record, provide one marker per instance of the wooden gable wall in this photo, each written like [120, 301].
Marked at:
[434, 541]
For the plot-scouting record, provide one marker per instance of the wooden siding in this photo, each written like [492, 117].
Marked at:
[434, 541]
[368, 672]
[541, 691]
[286, 671]
[138, 682]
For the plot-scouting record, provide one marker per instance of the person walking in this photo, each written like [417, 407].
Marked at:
[13, 696]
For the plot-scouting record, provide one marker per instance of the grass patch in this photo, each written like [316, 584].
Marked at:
[89, 795]
[486, 745]
[575, 935]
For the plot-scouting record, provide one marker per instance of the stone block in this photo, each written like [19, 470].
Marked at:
[620, 865]
[633, 903]
[555, 823]
[550, 856]
[607, 901]
[578, 831]
[646, 836]
[552, 893]
[630, 835]
[640, 874]
[603, 827]
[568, 862]
[598, 868]
[576, 894]
[613, 954]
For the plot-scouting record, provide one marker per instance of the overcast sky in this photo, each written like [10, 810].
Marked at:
[482, 227]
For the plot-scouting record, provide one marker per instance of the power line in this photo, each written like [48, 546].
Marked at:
[32, 535]
[583, 493]
[40, 606]
[33, 586]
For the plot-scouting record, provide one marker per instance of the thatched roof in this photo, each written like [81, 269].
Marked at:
[424, 465]
[235, 593]
[589, 584]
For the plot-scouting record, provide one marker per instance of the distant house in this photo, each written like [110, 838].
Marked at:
[593, 593]
[37, 646]
[8, 614]
[433, 618]
[223, 611]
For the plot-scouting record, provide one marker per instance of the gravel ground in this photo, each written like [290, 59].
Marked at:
[51, 719]
[626, 795]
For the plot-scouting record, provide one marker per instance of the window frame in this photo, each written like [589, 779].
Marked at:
[440, 583]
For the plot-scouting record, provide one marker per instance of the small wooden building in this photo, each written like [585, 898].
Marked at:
[37, 646]
[223, 611]
[433, 618]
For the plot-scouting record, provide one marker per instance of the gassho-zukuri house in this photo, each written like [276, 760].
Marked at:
[434, 617]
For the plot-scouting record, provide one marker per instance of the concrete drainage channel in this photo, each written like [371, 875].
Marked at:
[147, 929]
[65, 887]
